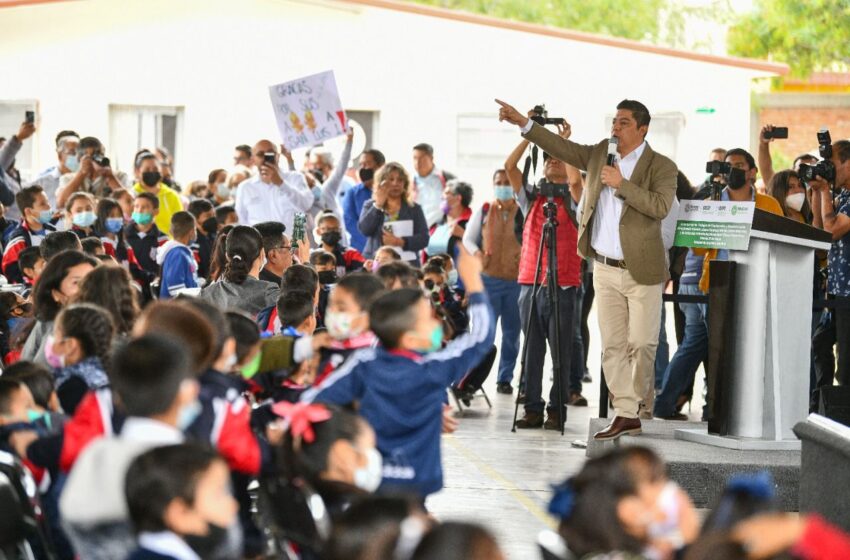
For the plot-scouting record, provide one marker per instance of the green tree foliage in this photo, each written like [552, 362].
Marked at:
[807, 35]
[660, 22]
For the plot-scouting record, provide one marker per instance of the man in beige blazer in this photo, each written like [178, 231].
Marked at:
[620, 229]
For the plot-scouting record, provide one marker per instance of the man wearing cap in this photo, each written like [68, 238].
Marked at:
[428, 183]
[67, 142]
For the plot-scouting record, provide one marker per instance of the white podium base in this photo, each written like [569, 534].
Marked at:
[701, 435]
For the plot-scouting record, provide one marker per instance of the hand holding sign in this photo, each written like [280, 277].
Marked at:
[308, 110]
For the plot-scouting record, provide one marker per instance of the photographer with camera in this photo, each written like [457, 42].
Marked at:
[94, 174]
[539, 320]
[273, 195]
[830, 183]
[624, 203]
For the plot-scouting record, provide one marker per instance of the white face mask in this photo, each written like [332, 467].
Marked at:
[340, 325]
[795, 201]
[667, 529]
[222, 190]
[368, 478]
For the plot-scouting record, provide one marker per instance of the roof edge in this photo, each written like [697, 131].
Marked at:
[467, 17]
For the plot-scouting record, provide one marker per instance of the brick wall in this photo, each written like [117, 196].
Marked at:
[803, 124]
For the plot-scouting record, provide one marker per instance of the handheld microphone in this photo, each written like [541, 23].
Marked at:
[612, 150]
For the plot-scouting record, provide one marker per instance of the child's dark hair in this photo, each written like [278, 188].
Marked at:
[186, 325]
[111, 287]
[36, 377]
[150, 197]
[57, 241]
[161, 475]
[91, 325]
[370, 528]
[76, 196]
[199, 206]
[223, 211]
[27, 196]
[294, 307]
[322, 258]
[105, 207]
[456, 541]
[745, 495]
[434, 268]
[216, 318]
[299, 277]
[147, 373]
[243, 247]
[245, 331]
[29, 257]
[8, 387]
[437, 260]
[91, 245]
[393, 314]
[365, 288]
[182, 224]
[219, 258]
[592, 524]
[310, 460]
[398, 270]
[46, 308]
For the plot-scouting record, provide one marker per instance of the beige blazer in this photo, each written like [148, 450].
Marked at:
[647, 197]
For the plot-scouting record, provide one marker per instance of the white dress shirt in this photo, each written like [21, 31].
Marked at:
[257, 201]
[605, 238]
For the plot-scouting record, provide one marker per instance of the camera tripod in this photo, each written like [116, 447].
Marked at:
[549, 242]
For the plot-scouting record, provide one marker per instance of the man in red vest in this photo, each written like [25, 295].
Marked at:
[542, 325]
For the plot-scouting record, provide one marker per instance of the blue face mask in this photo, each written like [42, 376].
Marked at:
[188, 414]
[45, 216]
[84, 219]
[317, 193]
[114, 225]
[503, 192]
[452, 277]
[72, 163]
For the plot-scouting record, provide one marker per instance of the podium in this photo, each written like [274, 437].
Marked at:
[759, 316]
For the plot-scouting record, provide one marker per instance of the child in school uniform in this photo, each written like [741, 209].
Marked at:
[401, 386]
[179, 268]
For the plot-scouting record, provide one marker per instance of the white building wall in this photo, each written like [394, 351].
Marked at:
[216, 58]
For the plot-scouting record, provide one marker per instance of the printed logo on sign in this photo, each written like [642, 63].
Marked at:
[734, 210]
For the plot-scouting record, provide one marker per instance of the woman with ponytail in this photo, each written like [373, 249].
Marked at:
[239, 287]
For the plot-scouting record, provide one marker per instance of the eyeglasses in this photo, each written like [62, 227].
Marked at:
[286, 248]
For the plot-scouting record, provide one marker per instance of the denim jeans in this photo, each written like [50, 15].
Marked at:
[693, 350]
[504, 298]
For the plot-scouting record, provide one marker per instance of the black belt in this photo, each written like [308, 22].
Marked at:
[610, 262]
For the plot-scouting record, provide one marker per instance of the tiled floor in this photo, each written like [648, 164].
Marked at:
[502, 479]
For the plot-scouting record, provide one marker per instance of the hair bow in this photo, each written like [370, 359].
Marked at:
[563, 501]
[758, 485]
[300, 417]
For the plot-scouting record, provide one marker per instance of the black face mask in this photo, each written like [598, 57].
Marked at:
[328, 277]
[736, 179]
[151, 178]
[210, 225]
[366, 175]
[331, 238]
[207, 545]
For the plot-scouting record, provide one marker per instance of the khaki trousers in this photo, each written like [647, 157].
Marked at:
[629, 317]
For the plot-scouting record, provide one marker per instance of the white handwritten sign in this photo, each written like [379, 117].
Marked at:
[308, 110]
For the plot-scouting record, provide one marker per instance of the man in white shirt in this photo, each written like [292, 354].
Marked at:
[429, 183]
[620, 228]
[273, 195]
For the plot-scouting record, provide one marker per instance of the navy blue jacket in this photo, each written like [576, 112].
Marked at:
[401, 394]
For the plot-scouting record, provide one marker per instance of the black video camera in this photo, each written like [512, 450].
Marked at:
[101, 160]
[552, 190]
[824, 168]
[541, 116]
[715, 168]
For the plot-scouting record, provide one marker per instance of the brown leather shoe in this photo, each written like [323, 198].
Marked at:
[619, 427]
[553, 421]
[577, 399]
[530, 420]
